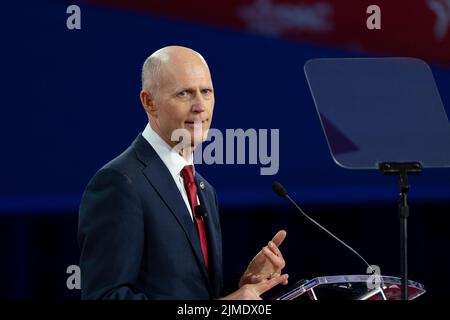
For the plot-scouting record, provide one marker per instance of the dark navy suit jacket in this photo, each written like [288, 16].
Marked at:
[137, 238]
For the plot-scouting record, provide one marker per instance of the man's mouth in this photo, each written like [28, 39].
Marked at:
[196, 122]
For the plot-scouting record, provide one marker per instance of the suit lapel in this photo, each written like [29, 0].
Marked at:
[160, 178]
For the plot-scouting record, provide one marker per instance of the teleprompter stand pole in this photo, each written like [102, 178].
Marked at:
[402, 169]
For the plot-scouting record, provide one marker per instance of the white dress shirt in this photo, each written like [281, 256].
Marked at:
[173, 161]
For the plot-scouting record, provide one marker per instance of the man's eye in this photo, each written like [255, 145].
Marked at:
[182, 94]
[207, 91]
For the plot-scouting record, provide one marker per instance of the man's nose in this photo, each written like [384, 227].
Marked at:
[198, 104]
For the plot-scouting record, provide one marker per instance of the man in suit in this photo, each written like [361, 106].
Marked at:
[149, 225]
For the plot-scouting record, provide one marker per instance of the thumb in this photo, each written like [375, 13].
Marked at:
[279, 237]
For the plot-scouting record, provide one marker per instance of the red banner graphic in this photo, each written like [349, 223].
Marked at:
[416, 28]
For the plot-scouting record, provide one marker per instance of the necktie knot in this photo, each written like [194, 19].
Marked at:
[188, 175]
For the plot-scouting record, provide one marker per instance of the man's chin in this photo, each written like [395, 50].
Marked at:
[198, 135]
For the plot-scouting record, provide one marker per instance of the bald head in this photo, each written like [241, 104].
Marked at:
[177, 93]
[164, 62]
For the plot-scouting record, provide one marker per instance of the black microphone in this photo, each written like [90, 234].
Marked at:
[200, 211]
[281, 191]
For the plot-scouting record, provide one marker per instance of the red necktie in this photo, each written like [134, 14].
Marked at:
[191, 189]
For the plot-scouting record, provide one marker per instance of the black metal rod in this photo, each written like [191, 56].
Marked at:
[402, 169]
[403, 215]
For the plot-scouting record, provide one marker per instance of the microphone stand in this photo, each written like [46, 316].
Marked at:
[281, 192]
[402, 169]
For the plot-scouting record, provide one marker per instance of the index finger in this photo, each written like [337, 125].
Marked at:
[279, 237]
[269, 284]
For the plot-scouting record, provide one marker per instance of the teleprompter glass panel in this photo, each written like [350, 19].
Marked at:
[376, 110]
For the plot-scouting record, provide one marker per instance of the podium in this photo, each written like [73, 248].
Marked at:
[351, 287]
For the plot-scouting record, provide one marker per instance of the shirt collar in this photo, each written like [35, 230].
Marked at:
[173, 160]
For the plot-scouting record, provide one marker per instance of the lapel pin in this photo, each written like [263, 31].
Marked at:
[202, 185]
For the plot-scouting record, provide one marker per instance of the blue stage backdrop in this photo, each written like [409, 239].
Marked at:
[70, 104]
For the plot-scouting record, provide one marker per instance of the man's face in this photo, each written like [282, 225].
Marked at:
[184, 99]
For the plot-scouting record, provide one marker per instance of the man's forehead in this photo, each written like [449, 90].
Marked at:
[184, 73]
[186, 63]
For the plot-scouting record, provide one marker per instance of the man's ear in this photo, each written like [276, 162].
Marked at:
[148, 102]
